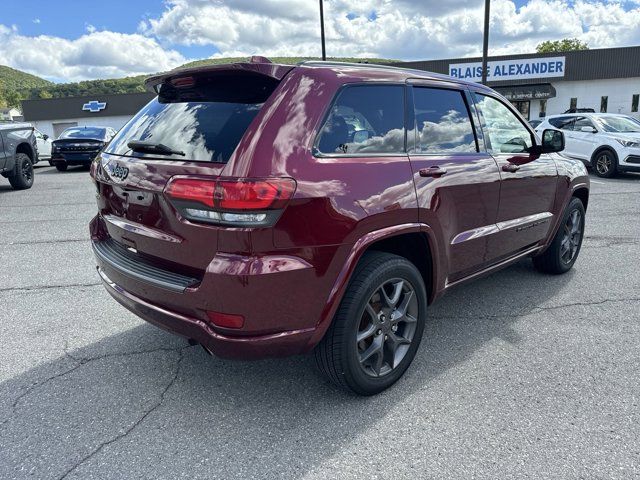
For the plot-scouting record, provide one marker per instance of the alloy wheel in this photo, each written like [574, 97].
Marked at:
[387, 327]
[572, 236]
[27, 170]
[603, 164]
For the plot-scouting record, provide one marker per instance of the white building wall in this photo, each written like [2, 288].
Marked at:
[116, 122]
[589, 93]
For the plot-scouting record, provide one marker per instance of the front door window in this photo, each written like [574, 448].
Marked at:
[504, 131]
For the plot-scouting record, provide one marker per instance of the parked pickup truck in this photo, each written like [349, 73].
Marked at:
[17, 154]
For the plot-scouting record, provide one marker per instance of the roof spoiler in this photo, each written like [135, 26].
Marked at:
[256, 65]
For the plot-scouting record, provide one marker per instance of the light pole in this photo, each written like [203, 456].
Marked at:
[485, 41]
[324, 51]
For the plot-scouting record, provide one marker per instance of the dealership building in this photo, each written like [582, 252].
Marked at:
[606, 80]
[53, 115]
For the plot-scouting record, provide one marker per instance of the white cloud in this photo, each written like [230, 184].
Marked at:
[98, 54]
[403, 29]
[36, 20]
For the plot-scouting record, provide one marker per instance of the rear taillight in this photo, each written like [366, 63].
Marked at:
[192, 190]
[238, 202]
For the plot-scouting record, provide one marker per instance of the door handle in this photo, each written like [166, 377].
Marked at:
[510, 167]
[435, 171]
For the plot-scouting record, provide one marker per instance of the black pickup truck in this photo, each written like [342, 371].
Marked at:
[17, 154]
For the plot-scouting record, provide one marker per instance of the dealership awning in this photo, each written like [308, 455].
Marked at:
[539, 91]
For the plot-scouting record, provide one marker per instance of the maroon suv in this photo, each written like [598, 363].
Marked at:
[264, 210]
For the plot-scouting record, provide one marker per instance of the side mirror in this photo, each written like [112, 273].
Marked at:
[45, 136]
[552, 141]
[587, 129]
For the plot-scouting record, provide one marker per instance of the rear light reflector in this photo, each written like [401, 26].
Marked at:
[226, 320]
[243, 202]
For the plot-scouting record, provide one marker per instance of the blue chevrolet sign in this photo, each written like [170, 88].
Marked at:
[94, 106]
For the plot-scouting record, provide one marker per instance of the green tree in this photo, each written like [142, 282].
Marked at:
[13, 98]
[564, 45]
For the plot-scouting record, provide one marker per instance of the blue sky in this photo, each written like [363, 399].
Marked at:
[69, 19]
[66, 40]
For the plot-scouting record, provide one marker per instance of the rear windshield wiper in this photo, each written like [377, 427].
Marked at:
[142, 146]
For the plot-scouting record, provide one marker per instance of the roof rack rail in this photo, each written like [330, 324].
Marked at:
[348, 64]
[418, 73]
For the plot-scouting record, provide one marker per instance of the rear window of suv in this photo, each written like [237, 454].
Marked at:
[204, 120]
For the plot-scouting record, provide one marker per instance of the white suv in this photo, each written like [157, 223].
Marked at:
[608, 142]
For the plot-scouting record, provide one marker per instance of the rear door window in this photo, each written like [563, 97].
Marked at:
[582, 122]
[563, 123]
[365, 119]
[204, 121]
[443, 123]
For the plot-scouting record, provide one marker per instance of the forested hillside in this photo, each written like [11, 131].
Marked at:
[13, 82]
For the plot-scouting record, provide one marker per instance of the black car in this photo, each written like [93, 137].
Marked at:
[79, 146]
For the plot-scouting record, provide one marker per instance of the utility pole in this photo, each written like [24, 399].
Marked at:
[324, 51]
[485, 41]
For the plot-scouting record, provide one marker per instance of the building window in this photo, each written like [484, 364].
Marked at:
[522, 107]
[543, 108]
[573, 104]
[634, 102]
[603, 104]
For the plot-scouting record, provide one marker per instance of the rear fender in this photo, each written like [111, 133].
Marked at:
[358, 249]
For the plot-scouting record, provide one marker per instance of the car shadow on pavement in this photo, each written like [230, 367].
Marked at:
[48, 170]
[143, 403]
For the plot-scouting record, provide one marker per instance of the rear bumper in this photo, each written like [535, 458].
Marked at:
[282, 295]
[284, 343]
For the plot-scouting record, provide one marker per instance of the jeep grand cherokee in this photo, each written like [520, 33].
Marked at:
[264, 210]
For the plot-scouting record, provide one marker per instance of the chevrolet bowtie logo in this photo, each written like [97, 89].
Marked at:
[94, 106]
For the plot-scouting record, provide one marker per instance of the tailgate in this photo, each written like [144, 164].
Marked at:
[138, 216]
[191, 129]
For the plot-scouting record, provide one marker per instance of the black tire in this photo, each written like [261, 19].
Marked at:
[22, 176]
[605, 163]
[555, 260]
[61, 167]
[338, 355]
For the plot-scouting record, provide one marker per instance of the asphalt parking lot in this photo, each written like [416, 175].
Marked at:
[520, 375]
